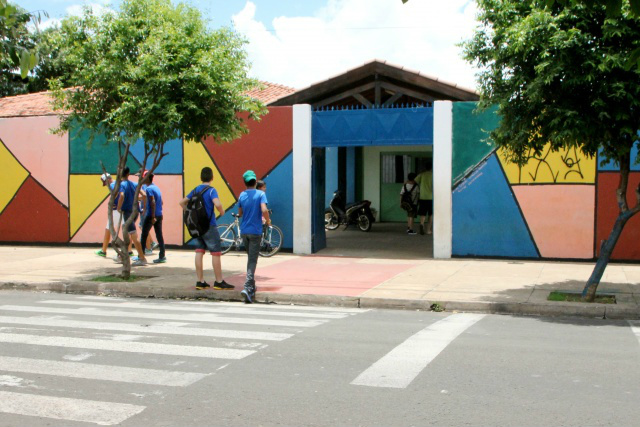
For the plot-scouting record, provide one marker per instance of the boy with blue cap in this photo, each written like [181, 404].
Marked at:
[252, 206]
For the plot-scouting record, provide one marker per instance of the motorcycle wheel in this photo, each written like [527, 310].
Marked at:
[331, 221]
[364, 224]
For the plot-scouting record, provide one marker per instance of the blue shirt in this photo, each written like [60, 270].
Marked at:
[129, 189]
[153, 191]
[140, 207]
[115, 201]
[208, 197]
[250, 201]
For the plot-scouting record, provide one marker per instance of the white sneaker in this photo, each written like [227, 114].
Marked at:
[139, 263]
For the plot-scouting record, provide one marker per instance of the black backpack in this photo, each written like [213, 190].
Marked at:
[406, 201]
[195, 216]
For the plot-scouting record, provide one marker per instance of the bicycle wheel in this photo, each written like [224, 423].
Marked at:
[227, 237]
[271, 241]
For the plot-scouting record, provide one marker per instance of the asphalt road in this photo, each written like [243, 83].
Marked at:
[84, 360]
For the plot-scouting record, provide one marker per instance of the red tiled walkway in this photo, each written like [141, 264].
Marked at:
[323, 276]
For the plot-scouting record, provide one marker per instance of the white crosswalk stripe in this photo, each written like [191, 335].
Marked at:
[88, 411]
[226, 310]
[156, 328]
[213, 318]
[129, 347]
[41, 333]
[399, 367]
[635, 328]
[99, 372]
[217, 304]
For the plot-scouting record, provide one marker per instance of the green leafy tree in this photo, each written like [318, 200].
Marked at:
[50, 46]
[151, 70]
[18, 50]
[557, 75]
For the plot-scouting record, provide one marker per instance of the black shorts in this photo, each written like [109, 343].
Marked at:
[425, 207]
[125, 217]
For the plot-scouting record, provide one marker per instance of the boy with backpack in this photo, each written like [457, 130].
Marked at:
[200, 220]
[409, 200]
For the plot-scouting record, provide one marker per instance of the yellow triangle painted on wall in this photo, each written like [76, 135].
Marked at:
[12, 175]
[86, 193]
[565, 166]
[196, 158]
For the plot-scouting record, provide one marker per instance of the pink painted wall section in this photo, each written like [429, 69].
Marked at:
[171, 188]
[44, 155]
[560, 218]
[93, 229]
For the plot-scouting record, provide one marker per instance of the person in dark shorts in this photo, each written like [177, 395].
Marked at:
[425, 204]
[153, 218]
[211, 239]
[125, 207]
[252, 207]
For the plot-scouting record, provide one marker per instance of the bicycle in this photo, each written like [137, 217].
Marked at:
[230, 237]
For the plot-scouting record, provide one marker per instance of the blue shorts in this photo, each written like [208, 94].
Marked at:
[210, 241]
[125, 217]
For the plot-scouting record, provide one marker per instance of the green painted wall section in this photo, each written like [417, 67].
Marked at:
[85, 157]
[470, 134]
[390, 210]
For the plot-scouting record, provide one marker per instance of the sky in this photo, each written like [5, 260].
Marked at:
[300, 42]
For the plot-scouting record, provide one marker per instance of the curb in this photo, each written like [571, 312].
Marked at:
[557, 309]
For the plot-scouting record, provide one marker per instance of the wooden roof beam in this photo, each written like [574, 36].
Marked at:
[346, 94]
[409, 92]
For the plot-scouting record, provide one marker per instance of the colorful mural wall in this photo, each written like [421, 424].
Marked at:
[559, 205]
[52, 193]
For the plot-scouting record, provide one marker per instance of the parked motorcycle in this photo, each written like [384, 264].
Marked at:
[338, 214]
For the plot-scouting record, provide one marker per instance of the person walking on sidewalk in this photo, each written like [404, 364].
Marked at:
[153, 217]
[108, 181]
[409, 200]
[125, 207]
[425, 204]
[252, 207]
[211, 239]
[149, 245]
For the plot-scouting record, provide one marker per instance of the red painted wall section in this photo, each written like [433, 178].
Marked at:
[628, 247]
[268, 142]
[34, 215]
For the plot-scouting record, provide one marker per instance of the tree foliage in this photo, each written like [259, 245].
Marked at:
[18, 50]
[557, 73]
[557, 76]
[151, 70]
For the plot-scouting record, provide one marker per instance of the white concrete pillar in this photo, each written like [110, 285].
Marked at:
[302, 185]
[442, 166]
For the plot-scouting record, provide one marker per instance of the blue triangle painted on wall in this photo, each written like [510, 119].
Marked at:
[486, 218]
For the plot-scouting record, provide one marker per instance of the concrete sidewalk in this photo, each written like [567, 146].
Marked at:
[490, 286]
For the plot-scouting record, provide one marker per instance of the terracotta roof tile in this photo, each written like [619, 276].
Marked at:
[270, 92]
[39, 104]
[33, 104]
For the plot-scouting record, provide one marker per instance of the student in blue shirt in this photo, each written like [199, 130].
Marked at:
[125, 207]
[153, 217]
[211, 239]
[252, 206]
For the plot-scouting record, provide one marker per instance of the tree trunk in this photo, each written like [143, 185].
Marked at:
[589, 292]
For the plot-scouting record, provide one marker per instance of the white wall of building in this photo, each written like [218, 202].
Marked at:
[442, 164]
[302, 206]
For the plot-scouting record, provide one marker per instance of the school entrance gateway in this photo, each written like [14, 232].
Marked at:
[362, 133]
